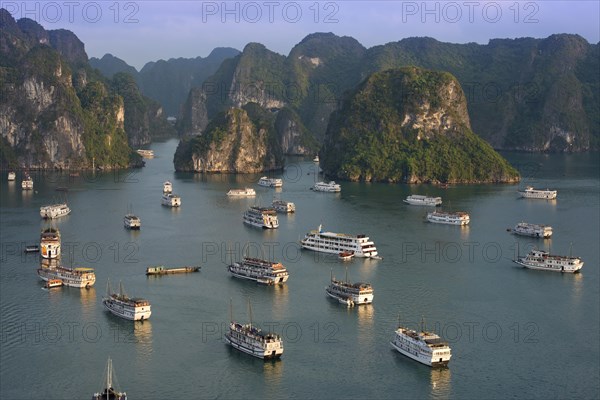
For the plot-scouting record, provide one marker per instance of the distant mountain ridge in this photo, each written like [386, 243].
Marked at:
[170, 81]
[522, 94]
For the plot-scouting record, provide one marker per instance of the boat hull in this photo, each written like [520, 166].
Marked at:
[320, 249]
[48, 274]
[261, 224]
[260, 279]
[564, 269]
[125, 312]
[253, 350]
[420, 357]
[350, 300]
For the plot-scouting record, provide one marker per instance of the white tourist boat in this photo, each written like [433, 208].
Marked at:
[336, 243]
[54, 211]
[451, 218]
[350, 294]
[74, 277]
[252, 340]
[420, 200]
[246, 192]
[131, 221]
[260, 271]
[27, 183]
[530, 193]
[270, 182]
[539, 259]
[261, 217]
[145, 153]
[316, 159]
[50, 243]
[11, 176]
[330, 186]
[532, 230]
[170, 200]
[167, 187]
[425, 347]
[285, 207]
[134, 309]
[109, 392]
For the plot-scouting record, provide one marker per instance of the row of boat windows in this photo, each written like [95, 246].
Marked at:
[551, 262]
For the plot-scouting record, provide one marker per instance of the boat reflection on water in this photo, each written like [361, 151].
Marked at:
[142, 334]
[272, 375]
[441, 383]
[88, 300]
[139, 335]
[280, 301]
[365, 315]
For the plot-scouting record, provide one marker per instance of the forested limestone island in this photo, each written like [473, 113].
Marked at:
[56, 112]
[409, 125]
[238, 140]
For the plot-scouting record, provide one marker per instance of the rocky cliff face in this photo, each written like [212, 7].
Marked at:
[54, 113]
[236, 141]
[409, 125]
[194, 118]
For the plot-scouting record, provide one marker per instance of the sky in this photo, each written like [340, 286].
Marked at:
[143, 31]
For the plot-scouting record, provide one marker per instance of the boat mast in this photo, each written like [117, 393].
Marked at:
[109, 376]
[250, 312]
[121, 291]
[108, 294]
[422, 323]
[230, 310]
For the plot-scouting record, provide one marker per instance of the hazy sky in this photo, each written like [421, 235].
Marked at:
[142, 31]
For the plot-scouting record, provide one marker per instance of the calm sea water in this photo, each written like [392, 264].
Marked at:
[514, 333]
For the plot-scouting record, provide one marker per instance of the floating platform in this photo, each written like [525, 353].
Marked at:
[160, 270]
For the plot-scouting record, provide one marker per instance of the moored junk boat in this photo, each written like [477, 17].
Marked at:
[330, 186]
[161, 270]
[109, 392]
[336, 243]
[145, 153]
[533, 230]
[252, 340]
[50, 243]
[260, 271]
[419, 200]
[134, 309]
[11, 176]
[285, 207]
[350, 294]
[170, 200]
[27, 183]
[247, 192]
[450, 218]
[54, 211]
[131, 221]
[270, 182]
[530, 193]
[425, 347]
[167, 187]
[74, 277]
[538, 259]
[316, 159]
[261, 217]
